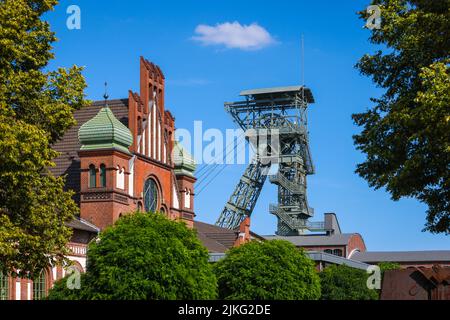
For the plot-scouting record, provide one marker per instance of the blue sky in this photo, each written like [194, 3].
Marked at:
[201, 77]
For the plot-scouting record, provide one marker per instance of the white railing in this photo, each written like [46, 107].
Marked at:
[77, 249]
[296, 224]
[317, 225]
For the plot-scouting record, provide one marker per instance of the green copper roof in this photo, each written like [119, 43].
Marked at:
[183, 161]
[104, 131]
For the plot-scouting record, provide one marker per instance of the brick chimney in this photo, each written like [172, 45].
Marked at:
[244, 232]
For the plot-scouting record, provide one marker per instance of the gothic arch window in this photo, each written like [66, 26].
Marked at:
[151, 195]
[328, 251]
[40, 286]
[76, 265]
[92, 176]
[120, 178]
[102, 175]
[4, 287]
[187, 198]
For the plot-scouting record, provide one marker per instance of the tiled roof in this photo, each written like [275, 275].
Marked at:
[104, 131]
[214, 238]
[316, 240]
[183, 161]
[402, 256]
[68, 162]
[80, 224]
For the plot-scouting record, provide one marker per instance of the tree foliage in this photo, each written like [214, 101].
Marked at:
[405, 135]
[144, 257]
[267, 270]
[385, 266]
[341, 282]
[36, 109]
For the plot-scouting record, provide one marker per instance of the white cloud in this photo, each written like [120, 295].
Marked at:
[234, 35]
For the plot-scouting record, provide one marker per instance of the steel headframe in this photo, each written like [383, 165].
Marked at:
[281, 113]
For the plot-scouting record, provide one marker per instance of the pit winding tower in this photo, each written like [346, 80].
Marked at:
[274, 114]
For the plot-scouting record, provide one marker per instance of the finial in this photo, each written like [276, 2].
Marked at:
[106, 92]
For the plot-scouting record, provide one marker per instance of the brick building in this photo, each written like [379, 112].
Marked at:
[121, 157]
[336, 247]
[332, 242]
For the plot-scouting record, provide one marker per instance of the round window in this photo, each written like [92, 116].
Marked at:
[150, 195]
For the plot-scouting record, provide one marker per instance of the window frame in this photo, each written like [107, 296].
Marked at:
[92, 182]
[4, 286]
[154, 205]
[102, 175]
[40, 286]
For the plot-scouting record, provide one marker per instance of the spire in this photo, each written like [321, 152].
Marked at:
[105, 95]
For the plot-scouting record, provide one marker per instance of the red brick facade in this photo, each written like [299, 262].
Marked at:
[152, 129]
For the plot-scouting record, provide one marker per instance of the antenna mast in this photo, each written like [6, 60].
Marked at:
[303, 67]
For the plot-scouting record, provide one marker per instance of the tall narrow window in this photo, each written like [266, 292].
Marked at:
[40, 286]
[187, 199]
[102, 175]
[92, 176]
[337, 252]
[4, 288]
[150, 195]
[120, 178]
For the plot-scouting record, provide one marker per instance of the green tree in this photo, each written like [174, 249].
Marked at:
[144, 257]
[385, 266]
[36, 109]
[405, 135]
[341, 282]
[267, 270]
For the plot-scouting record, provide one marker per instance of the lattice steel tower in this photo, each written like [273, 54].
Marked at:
[281, 114]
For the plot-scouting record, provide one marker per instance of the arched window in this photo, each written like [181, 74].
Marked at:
[102, 175]
[74, 266]
[92, 176]
[337, 252]
[187, 199]
[120, 178]
[328, 251]
[4, 288]
[40, 286]
[150, 195]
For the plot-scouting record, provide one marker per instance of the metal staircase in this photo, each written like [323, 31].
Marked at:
[281, 114]
[281, 180]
